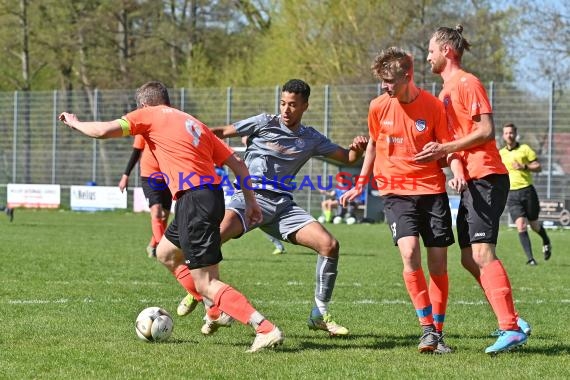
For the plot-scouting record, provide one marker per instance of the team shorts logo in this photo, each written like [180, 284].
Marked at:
[420, 125]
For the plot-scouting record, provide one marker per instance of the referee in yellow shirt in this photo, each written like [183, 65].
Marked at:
[523, 202]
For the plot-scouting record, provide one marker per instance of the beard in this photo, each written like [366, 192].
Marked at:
[438, 66]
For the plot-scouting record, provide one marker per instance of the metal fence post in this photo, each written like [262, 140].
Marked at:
[277, 99]
[550, 134]
[95, 112]
[182, 95]
[54, 137]
[229, 106]
[15, 140]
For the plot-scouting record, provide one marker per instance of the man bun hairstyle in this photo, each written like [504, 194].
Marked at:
[453, 37]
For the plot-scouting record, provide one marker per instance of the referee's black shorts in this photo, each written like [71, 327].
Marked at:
[524, 203]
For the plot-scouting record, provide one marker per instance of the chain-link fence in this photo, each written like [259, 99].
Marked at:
[35, 148]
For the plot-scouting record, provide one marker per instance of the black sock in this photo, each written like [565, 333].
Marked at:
[543, 235]
[525, 242]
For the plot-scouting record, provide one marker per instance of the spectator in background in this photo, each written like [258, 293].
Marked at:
[9, 212]
[155, 189]
[523, 203]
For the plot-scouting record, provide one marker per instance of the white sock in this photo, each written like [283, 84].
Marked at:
[322, 306]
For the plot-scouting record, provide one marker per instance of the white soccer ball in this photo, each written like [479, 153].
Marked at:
[154, 324]
[351, 220]
[322, 219]
[337, 220]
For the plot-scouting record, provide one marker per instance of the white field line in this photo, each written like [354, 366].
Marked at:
[88, 300]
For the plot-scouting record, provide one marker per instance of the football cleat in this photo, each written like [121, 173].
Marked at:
[212, 325]
[278, 251]
[532, 262]
[547, 250]
[271, 339]
[187, 305]
[151, 252]
[428, 342]
[442, 348]
[523, 325]
[326, 323]
[508, 340]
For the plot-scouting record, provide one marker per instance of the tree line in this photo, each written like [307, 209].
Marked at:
[108, 44]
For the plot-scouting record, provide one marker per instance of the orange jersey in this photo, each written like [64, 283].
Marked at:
[185, 148]
[400, 131]
[465, 97]
[148, 162]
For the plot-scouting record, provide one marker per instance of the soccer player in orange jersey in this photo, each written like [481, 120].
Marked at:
[482, 204]
[154, 187]
[401, 122]
[187, 151]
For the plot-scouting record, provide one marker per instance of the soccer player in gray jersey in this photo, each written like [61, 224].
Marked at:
[277, 147]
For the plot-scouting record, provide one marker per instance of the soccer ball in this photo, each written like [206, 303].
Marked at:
[351, 220]
[322, 219]
[154, 324]
[337, 220]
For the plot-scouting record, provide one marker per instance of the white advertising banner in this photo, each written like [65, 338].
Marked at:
[33, 196]
[97, 198]
[140, 203]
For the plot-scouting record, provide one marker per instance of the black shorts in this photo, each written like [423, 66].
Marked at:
[523, 203]
[196, 225]
[480, 209]
[426, 215]
[156, 192]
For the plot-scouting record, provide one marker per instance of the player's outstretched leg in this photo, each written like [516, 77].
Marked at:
[320, 318]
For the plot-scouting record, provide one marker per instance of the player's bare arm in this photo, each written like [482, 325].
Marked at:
[225, 131]
[355, 150]
[96, 129]
[483, 131]
[363, 178]
[458, 182]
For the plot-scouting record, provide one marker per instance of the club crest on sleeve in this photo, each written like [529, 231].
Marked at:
[420, 125]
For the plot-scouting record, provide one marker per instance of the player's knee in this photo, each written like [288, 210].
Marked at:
[330, 247]
[167, 257]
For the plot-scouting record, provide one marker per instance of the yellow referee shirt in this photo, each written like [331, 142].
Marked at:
[523, 154]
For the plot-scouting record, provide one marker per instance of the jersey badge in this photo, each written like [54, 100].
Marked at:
[420, 125]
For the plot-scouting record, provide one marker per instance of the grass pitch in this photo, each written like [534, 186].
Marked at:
[72, 284]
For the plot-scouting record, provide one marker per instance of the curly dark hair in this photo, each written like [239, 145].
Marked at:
[297, 86]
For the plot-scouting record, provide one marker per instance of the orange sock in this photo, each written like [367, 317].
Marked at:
[495, 282]
[158, 229]
[481, 285]
[438, 294]
[233, 303]
[184, 278]
[153, 242]
[418, 291]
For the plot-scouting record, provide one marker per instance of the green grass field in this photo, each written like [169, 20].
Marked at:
[72, 285]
